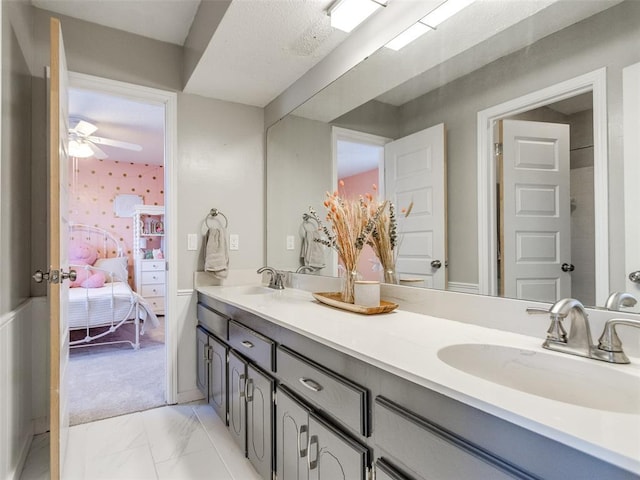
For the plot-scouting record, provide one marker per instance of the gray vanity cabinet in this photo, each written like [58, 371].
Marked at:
[431, 452]
[251, 412]
[308, 448]
[202, 341]
[212, 371]
[384, 471]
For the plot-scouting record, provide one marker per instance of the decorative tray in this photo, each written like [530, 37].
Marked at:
[333, 299]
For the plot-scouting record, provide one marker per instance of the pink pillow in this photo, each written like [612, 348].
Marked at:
[87, 278]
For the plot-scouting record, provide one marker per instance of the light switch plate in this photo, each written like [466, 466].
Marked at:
[234, 241]
[192, 241]
[291, 242]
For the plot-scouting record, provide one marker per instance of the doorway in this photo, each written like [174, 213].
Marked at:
[593, 84]
[105, 190]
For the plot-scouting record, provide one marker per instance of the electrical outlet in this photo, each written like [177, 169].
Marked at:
[291, 242]
[192, 241]
[234, 241]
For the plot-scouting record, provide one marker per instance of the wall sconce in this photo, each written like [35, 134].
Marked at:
[434, 18]
[348, 14]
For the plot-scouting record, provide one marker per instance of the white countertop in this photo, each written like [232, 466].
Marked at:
[407, 344]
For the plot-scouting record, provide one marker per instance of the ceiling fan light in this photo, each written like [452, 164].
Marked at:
[348, 14]
[79, 149]
[409, 35]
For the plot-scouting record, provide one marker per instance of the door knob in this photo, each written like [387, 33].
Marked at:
[567, 267]
[54, 276]
[436, 263]
[635, 276]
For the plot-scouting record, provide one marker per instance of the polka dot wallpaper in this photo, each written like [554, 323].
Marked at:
[94, 186]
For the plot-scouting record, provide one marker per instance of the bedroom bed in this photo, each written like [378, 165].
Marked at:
[100, 299]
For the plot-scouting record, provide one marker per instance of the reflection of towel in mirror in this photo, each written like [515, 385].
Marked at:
[312, 252]
[216, 256]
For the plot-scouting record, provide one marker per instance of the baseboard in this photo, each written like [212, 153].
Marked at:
[190, 396]
[461, 287]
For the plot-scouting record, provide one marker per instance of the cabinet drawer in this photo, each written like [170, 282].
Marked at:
[336, 395]
[385, 471]
[213, 321]
[153, 277]
[152, 265]
[252, 345]
[432, 452]
[152, 290]
[157, 304]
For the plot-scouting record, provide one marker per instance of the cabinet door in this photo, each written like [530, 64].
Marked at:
[259, 396]
[237, 407]
[218, 377]
[333, 456]
[202, 339]
[292, 437]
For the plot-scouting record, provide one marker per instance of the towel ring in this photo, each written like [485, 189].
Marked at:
[214, 213]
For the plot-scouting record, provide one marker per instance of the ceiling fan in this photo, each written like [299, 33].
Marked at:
[82, 142]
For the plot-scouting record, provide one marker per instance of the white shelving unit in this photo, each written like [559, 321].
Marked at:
[149, 273]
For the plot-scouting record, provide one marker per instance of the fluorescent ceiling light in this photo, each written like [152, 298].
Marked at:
[446, 10]
[348, 14]
[79, 149]
[409, 35]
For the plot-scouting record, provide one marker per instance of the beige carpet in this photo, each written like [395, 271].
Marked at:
[110, 380]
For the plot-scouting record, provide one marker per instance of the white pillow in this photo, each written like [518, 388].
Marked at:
[116, 266]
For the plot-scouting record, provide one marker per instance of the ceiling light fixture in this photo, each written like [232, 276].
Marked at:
[434, 18]
[348, 14]
[79, 149]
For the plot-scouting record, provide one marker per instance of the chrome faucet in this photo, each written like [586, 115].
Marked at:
[578, 341]
[620, 299]
[609, 344]
[276, 277]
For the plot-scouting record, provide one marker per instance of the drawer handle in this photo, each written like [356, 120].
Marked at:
[313, 463]
[246, 344]
[304, 429]
[310, 384]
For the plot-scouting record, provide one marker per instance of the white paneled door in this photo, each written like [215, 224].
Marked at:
[415, 173]
[58, 261]
[535, 221]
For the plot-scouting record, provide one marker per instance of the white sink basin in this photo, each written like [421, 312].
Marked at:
[586, 383]
[254, 290]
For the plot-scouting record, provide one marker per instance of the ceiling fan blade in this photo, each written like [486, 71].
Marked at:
[84, 128]
[97, 152]
[115, 143]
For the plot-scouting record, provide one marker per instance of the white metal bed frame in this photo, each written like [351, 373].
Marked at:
[108, 247]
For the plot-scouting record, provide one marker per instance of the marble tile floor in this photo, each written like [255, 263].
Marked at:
[178, 442]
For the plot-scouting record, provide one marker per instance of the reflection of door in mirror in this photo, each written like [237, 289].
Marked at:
[415, 174]
[547, 227]
[535, 231]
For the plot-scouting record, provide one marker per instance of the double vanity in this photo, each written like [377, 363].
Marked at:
[309, 391]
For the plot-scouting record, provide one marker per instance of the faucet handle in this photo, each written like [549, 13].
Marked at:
[555, 332]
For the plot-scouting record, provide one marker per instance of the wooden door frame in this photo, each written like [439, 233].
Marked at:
[595, 82]
[170, 101]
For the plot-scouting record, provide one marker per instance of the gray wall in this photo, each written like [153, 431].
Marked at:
[15, 237]
[15, 173]
[298, 177]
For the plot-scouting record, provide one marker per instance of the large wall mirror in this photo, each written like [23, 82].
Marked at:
[529, 96]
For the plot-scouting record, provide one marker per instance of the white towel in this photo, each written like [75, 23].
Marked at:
[216, 253]
[312, 252]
